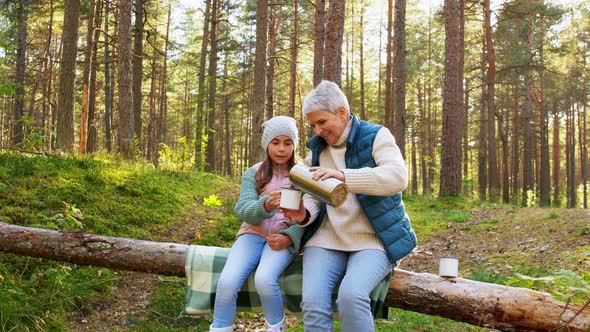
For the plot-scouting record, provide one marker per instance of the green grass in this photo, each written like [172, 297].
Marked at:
[431, 214]
[96, 195]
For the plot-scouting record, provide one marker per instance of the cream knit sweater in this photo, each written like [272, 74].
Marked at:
[346, 227]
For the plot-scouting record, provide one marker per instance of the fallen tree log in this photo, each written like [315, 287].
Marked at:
[477, 303]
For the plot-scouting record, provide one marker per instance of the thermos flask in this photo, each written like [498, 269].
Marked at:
[331, 191]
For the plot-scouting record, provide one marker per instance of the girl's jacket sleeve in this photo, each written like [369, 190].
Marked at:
[250, 207]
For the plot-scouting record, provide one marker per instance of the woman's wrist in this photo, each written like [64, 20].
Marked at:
[306, 219]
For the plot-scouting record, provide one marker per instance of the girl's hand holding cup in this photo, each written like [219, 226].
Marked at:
[273, 201]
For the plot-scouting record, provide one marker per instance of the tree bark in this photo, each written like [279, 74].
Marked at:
[92, 137]
[126, 144]
[108, 86]
[67, 76]
[293, 65]
[259, 78]
[201, 89]
[399, 93]
[41, 77]
[477, 303]
[161, 131]
[516, 124]
[388, 112]
[544, 176]
[276, 15]
[362, 108]
[334, 37]
[86, 78]
[151, 150]
[319, 40]
[212, 94]
[21, 57]
[482, 157]
[556, 147]
[137, 63]
[527, 160]
[450, 176]
[493, 174]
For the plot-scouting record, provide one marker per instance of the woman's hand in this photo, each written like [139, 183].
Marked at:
[295, 215]
[321, 173]
[278, 242]
[273, 201]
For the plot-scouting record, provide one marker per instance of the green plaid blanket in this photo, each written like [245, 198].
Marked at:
[203, 265]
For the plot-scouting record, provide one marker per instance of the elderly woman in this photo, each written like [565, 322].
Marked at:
[358, 243]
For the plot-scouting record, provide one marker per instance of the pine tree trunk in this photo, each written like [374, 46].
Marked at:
[137, 63]
[161, 130]
[125, 80]
[319, 41]
[18, 124]
[86, 78]
[544, 176]
[388, 114]
[527, 171]
[151, 152]
[399, 51]
[516, 124]
[274, 29]
[212, 95]
[413, 160]
[293, 65]
[556, 158]
[333, 42]
[450, 175]
[482, 156]
[227, 167]
[570, 133]
[423, 135]
[41, 79]
[259, 77]
[431, 115]
[92, 139]
[108, 86]
[67, 76]
[49, 104]
[362, 111]
[584, 153]
[492, 156]
[201, 89]
[503, 131]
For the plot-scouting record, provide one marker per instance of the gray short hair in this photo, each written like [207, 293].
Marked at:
[325, 96]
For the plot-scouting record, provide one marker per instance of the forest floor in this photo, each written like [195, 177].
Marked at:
[495, 239]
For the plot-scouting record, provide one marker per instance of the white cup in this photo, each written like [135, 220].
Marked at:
[290, 199]
[448, 266]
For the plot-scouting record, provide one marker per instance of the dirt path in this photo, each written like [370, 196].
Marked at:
[499, 238]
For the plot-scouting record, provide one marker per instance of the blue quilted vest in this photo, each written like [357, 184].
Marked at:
[386, 214]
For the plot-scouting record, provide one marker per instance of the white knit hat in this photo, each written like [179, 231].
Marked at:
[277, 126]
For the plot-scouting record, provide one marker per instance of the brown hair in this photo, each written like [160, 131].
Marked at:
[264, 173]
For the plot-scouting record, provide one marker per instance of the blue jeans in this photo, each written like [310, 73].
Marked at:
[360, 272]
[248, 252]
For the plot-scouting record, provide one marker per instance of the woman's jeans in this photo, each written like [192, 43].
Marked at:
[250, 251]
[360, 272]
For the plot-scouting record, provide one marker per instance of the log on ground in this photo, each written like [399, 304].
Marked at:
[482, 304]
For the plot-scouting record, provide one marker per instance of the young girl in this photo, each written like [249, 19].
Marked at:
[266, 241]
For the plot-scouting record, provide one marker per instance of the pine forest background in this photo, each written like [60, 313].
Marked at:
[487, 99]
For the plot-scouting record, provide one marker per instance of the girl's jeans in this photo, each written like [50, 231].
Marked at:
[360, 272]
[248, 252]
